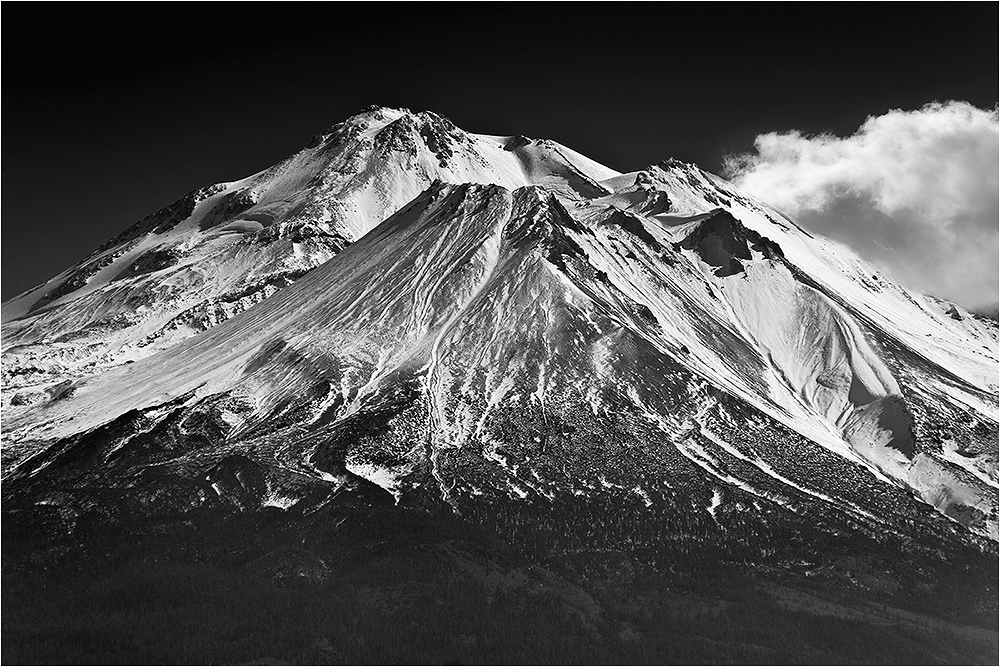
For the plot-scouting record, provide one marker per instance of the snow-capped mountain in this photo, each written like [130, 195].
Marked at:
[410, 309]
[223, 248]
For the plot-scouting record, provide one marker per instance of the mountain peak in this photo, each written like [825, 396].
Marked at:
[504, 275]
[407, 344]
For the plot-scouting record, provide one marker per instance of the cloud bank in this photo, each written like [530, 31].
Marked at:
[915, 192]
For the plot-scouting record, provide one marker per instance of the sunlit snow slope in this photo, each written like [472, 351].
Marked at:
[505, 317]
[221, 249]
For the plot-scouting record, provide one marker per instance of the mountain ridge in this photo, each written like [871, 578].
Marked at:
[447, 397]
[659, 214]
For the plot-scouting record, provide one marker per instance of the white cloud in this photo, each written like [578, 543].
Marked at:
[916, 192]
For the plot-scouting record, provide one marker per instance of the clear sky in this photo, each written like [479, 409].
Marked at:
[110, 113]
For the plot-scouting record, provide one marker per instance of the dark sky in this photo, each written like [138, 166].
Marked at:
[110, 113]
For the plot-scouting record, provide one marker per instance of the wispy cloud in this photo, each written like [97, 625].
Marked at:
[916, 192]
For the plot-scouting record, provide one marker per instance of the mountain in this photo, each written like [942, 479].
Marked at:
[408, 320]
[225, 247]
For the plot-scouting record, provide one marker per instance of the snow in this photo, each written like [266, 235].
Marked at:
[378, 475]
[715, 502]
[700, 457]
[967, 463]
[462, 271]
[277, 499]
[608, 485]
[771, 472]
[643, 496]
[347, 191]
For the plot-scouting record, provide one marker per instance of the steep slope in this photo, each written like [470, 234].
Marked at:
[226, 247]
[494, 337]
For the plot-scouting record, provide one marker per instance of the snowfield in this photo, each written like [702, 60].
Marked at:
[400, 266]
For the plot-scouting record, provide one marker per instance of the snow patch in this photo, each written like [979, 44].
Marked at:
[643, 496]
[714, 504]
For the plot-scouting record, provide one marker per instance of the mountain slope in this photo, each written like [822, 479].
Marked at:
[420, 395]
[504, 315]
[223, 248]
